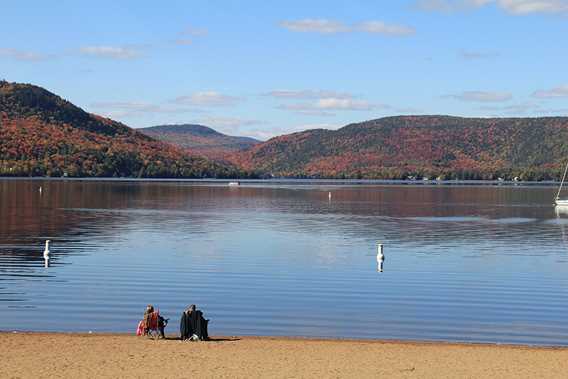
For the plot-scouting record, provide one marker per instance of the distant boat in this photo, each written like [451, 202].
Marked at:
[234, 184]
[558, 201]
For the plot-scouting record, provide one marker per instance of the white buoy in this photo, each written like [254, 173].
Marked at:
[46, 251]
[40, 190]
[46, 254]
[329, 196]
[380, 254]
[380, 257]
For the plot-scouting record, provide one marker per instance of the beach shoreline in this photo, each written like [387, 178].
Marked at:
[40, 354]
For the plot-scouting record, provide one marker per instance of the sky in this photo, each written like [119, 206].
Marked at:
[266, 68]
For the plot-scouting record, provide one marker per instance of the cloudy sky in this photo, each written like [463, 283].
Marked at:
[263, 68]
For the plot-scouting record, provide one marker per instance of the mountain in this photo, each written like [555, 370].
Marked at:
[199, 139]
[420, 146]
[42, 134]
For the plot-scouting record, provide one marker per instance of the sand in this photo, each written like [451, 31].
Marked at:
[42, 355]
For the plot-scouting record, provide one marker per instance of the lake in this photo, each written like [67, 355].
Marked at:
[463, 263]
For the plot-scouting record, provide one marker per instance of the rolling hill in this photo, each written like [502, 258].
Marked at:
[42, 134]
[199, 139]
[419, 146]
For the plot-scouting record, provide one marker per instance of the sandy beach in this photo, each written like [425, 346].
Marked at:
[42, 355]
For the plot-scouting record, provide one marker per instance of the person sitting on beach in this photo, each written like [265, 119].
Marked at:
[193, 326]
[152, 321]
[148, 317]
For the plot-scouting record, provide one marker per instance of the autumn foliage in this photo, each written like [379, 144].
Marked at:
[199, 140]
[418, 146]
[42, 134]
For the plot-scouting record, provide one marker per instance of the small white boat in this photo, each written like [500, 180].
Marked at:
[558, 201]
[234, 184]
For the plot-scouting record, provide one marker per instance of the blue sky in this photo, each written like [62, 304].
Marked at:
[261, 69]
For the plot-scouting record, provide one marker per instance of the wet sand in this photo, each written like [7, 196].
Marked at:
[42, 355]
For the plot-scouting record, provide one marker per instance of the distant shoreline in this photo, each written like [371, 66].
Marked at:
[280, 181]
[97, 355]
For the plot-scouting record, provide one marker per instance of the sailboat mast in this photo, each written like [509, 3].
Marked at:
[562, 182]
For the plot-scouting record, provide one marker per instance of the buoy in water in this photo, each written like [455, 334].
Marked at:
[46, 250]
[46, 254]
[40, 190]
[380, 257]
[329, 196]
[380, 254]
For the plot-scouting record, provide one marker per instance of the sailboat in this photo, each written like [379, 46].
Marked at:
[558, 201]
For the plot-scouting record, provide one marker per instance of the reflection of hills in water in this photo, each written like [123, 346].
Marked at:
[68, 211]
[81, 217]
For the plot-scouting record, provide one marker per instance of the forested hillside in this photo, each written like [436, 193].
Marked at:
[199, 139]
[42, 134]
[419, 146]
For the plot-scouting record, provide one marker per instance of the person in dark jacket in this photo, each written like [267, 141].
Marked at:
[193, 326]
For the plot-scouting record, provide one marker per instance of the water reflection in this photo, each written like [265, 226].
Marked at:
[465, 263]
[380, 257]
[380, 265]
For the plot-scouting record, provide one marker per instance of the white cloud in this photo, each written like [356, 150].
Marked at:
[516, 7]
[307, 94]
[21, 55]
[481, 96]
[380, 27]
[325, 26]
[323, 102]
[306, 109]
[208, 99]
[111, 52]
[534, 6]
[315, 26]
[322, 107]
[557, 92]
[184, 104]
[345, 104]
[450, 5]
[513, 109]
[121, 109]
[229, 125]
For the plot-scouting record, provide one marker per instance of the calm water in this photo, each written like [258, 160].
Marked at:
[462, 263]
